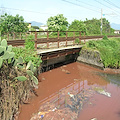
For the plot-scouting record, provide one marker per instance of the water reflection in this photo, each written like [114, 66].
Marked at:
[111, 78]
[67, 103]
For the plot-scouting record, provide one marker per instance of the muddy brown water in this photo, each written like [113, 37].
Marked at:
[55, 84]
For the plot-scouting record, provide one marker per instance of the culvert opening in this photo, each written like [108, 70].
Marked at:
[58, 62]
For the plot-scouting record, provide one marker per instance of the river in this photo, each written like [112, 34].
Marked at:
[74, 92]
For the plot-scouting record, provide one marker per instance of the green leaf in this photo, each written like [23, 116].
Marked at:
[30, 73]
[1, 62]
[9, 48]
[20, 60]
[35, 80]
[4, 43]
[28, 65]
[12, 54]
[34, 69]
[2, 49]
[6, 55]
[20, 66]
[21, 78]
[31, 67]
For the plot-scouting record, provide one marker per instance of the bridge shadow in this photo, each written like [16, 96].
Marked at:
[58, 62]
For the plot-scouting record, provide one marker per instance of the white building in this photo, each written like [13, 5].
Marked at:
[44, 27]
[117, 31]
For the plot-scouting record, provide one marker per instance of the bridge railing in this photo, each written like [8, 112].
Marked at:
[48, 39]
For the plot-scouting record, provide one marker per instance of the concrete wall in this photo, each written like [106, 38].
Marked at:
[90, 57]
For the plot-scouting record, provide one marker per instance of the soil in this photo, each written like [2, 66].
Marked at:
[54, 80]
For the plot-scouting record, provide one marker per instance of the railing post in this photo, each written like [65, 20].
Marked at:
[13, 35]
[80, 37]
[58, 39]
[35, 40]
[8, 36]
[73, 38]
[66, 39]
[84, 37]
[26, 35]
[47, 39]
[20, 36]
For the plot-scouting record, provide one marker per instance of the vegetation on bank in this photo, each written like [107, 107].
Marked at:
[109, 50]
[18, 67]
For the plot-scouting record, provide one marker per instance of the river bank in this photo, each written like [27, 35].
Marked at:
[54, 80]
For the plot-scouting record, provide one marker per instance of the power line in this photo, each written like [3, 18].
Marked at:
[111, 3]
[87, 4]
[107, 6]
[79, 5]
[24, 10]
[32, 11]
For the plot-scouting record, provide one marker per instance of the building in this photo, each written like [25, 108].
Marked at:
[44, 27]
[117, 31]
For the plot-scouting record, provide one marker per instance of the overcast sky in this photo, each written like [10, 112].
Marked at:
[41, 10]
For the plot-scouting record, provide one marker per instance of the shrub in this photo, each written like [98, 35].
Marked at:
[29, 42]
[109, 51]
[16, 81]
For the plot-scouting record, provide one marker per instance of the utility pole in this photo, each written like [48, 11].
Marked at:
[101, 21]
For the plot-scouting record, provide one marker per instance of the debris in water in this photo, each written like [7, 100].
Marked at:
[102, 91]
[93, 119]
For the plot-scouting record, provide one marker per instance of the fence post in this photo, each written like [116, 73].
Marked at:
[26, 35]
[84, 37]
[8, 36]
[35, 40]
[13, 35]
[58, 39]
[80, 37]
[66, 39]
[47, 39]
[73, 38]
[20, 36]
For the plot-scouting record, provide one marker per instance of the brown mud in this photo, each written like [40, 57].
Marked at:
[100, 107]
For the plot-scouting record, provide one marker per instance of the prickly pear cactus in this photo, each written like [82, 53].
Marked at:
[7, 54]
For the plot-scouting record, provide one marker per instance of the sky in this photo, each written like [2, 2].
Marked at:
[41, 10]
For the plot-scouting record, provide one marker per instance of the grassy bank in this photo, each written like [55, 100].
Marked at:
[109, 51]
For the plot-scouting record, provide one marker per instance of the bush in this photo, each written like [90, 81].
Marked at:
[105, 37]
[109, 51]
[29, 42]
[17, 79]
[28, 55]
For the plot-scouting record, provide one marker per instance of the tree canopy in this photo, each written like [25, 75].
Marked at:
[9, 23]
[77, 25]
[93, 26]
[57, 23]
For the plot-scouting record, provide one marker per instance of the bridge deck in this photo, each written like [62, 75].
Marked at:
[43, 51]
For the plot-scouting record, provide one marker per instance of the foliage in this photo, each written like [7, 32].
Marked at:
[17, 79]
[35, 27]
[29, 42]
[28, 55]
[57, 23]
[105, 37]
[93, 26]
[9, 23]
[77, 25]
[109, 50]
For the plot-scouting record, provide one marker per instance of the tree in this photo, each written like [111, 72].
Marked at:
[9, 23]
[77, 25]
[93, 26]
[35, 27]
[57, 23]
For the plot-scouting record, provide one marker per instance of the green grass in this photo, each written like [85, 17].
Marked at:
[109, 50]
